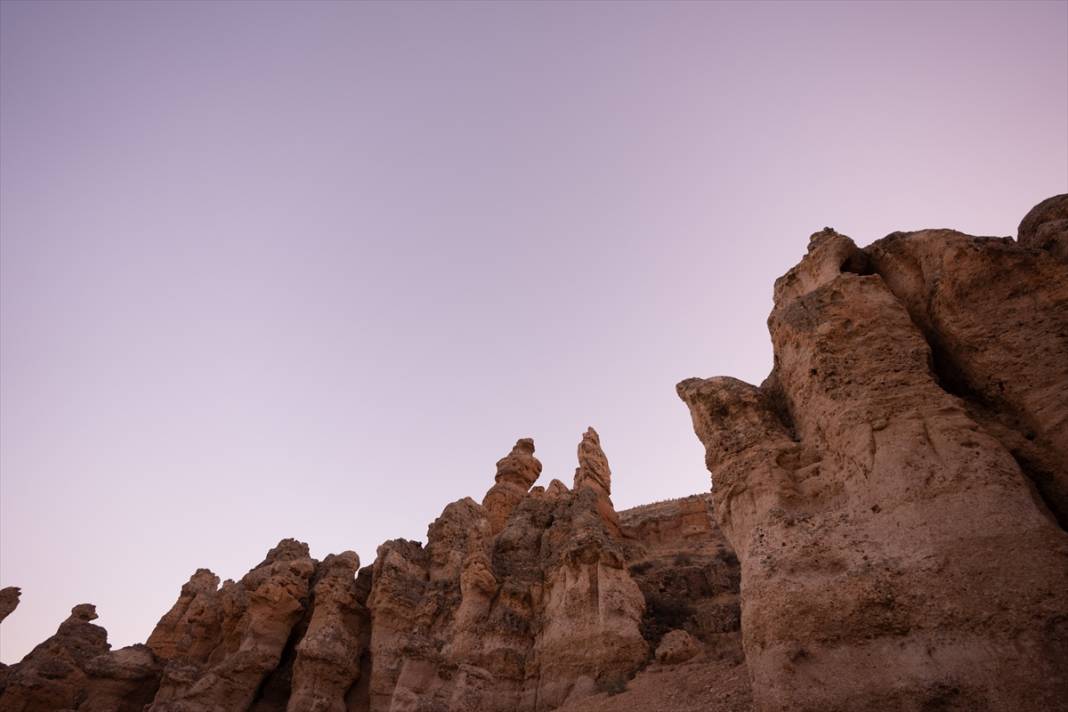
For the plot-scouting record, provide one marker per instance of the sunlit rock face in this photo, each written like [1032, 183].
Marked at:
[896, 489]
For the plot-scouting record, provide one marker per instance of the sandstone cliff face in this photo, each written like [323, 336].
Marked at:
[893, 489]
[519, 603]
[688, 575]
[252, 619]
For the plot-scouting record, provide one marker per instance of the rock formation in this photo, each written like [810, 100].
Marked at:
[1046, 227]
[516, 473]
[9, 600]
[886, 531]
[253, 620]
[76, 669]
[893, 489]
[519, 603]
[534, 600]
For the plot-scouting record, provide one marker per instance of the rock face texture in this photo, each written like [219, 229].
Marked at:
[534, 600]
[1046, 227]
[886, 531]
[895, 490]
[76, 669]
[249, 625]
[519, 603]
[9, 600]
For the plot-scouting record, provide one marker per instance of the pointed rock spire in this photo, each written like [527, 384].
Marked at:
[516, 472]
[519, 467]
[593, 470]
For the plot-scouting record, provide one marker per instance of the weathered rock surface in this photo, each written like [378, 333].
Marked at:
[519, 603]
[892, 490]
[676, 647]
[9, 600]
[516, 473]
[76, 669]
[1046, 227]
[255, 618]
[329, 654]
[535, 599]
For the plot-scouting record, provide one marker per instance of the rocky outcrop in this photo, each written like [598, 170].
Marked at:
[330, 650]
[255, 618]
[76, 669]
[593, 470]
[676, 647]
[1046, 227]
[892, 488]
[516, 473]
[537, 599]
[687, 572]
[9, 600]
[689, 577]
[192, 628]
[515, 604]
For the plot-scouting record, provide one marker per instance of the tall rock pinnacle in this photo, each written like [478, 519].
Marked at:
[516, 472]
[593, 470]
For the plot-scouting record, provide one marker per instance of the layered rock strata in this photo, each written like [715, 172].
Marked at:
[895, 490]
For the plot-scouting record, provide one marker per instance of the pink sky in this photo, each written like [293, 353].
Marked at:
[309, 270]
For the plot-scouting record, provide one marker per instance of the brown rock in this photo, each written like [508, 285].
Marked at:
[687, 572]
[895, 491]
[556, 488]
[75, 669]
[593, 470]
[518, 604]
[257, 615]
[996, 319]
[123, 680]
[594, 474]
[328, 655]
[882, 530]
[676, 647]
[516, 473]
[1046, 227]
[9, 600]
[193, 627]
[558, 605]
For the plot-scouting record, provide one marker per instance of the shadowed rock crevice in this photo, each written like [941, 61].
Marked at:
[995, 316]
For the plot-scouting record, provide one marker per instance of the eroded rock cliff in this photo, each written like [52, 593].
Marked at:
[895, 490]
[535, 599]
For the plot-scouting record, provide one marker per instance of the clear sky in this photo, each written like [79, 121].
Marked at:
[309, 270]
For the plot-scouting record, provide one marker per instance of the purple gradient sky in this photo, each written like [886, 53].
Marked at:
[309, 270]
